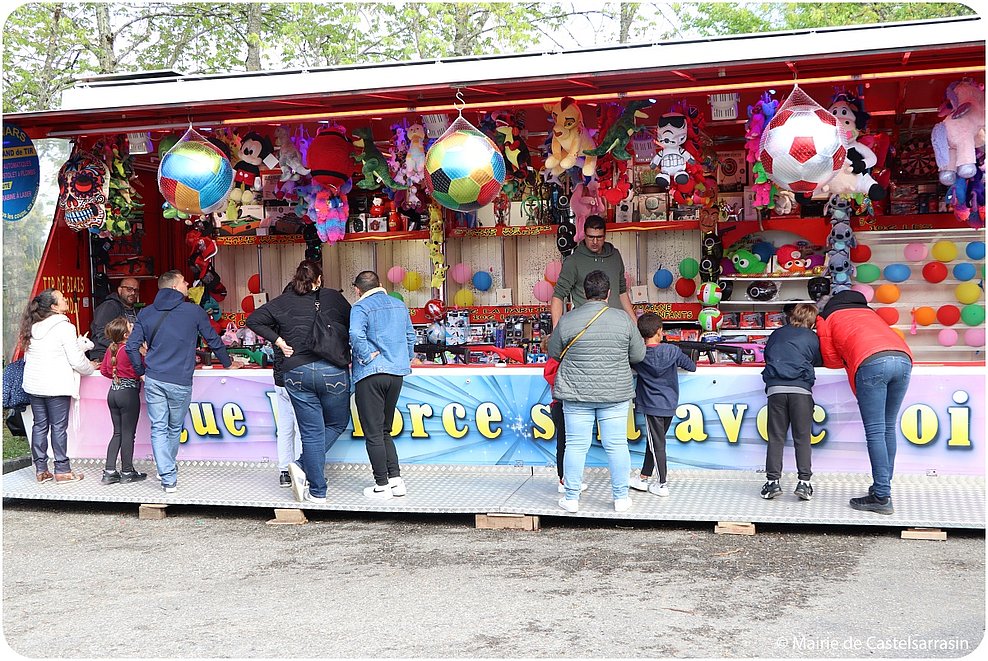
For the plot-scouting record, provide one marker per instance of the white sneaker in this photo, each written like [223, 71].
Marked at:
[562, 487]
[571, 506]
[313, 499]
[397, 486]
[622, 504]
[299, 482]
[659, 489]
[639, 482]
[379, 492]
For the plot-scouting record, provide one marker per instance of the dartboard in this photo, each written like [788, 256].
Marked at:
[728, 167]
[916, 158]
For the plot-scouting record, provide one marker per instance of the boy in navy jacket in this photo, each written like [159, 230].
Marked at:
[657, 396]
[791, 354]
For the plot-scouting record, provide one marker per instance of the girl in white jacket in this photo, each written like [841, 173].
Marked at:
[54, 359]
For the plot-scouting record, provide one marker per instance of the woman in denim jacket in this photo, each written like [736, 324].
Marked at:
[383, 344]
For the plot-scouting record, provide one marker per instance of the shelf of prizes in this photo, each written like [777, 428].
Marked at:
[732, 185]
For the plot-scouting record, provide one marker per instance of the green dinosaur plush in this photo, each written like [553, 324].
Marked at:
[616, 139]
[375, 165]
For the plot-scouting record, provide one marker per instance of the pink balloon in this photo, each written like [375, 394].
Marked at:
[866, 290]
[461, 273]
[543, 291]
[552, 270]
[974, 337]
[915, 252]
[948, 337]
[628, 281]
[396, 274]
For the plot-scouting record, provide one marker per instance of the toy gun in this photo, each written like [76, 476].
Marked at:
[732, 350]
[256, 356]
[517, 354]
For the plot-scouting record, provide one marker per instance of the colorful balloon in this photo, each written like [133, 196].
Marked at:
[663, 278]
[913, 252]
[412, 280]
[866, 290]
[463, 298]
[461, 273]
[967, 292]
[887, 294]
[689, 267]
[247, 304]
[925, 315]
[396, 274]
[396, 294]
[254, 284]
[464, 169]
[542, 291]
[973, 315]
[944, 251]
[975, 250]
[974, 337]
[867, 273]
[482, 280]
[948, 315]
[195, 176]
[897, 272]
[934, 272]
[552, 271]
[947, 337]
[889, 315]
[860, 253]
[964, 271]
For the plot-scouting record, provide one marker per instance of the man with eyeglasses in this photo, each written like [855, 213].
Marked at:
[592, 254]
[116, 305]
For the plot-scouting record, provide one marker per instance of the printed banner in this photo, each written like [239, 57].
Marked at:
[490, 416]
[21, 173]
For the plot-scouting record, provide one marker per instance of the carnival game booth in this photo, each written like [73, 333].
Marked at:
[737, 175]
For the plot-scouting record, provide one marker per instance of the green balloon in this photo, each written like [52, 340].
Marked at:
[868, 273]
[397, 294]
[973, 315]
[688, 268]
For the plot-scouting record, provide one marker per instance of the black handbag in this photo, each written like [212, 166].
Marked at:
[330, 339]
[14, 422]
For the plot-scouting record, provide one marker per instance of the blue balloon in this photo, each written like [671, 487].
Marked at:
[482, 280]
[897, 272]
[764, 250]
[662, 278]
[975, 250]
[964, 271]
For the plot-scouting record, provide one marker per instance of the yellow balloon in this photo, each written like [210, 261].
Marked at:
[412, 280]
[967, 292]
[887, 294]
[463, 298]
[944, 251]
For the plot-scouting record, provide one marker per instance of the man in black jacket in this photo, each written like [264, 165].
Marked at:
[115, 305]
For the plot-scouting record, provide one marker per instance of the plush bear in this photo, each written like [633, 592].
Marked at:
[962, 131]
[570, 139]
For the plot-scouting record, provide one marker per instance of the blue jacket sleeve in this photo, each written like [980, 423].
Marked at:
[133, 347]
[410, 337]
[362, 348]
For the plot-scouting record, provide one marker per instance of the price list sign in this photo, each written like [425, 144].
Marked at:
[21, 173]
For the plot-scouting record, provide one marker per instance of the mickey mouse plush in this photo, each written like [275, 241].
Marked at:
[255, 150]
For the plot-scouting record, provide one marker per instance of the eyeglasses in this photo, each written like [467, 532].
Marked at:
[594, 237]
[129, 288]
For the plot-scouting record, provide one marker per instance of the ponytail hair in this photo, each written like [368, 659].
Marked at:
[116, 331]
[38, 309]
[306, 275]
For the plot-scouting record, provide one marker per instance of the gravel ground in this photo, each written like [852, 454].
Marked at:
[92, 580]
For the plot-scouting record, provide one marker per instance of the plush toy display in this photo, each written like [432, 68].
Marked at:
[202, 249]
[330, 158]
[840, 269]
[374, 164]
[855, 175]
[962, 131]
[255, 150]
[290, 156]
[747, 263]
[841, 237]
[615, 140]
[759, 115]
[415, 156]
[586, 202]
[570, 140]
[790, 259]
[672, 157]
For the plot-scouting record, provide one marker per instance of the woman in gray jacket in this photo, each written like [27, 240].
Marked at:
[596, 346]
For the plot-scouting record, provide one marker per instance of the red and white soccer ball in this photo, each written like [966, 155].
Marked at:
[802, 148]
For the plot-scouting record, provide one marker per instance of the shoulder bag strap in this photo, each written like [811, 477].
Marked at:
[581, 333]
[154, 332]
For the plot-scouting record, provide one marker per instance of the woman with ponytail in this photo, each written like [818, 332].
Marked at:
[124, 401]
[54, 358]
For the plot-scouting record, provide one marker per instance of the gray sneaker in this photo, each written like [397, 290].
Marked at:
[804, 490]
[771, 489]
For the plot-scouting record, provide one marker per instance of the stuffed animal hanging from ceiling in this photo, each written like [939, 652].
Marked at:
[255, 150]
[962, 131]
[330, 158]
[570, 140]
[855, 177]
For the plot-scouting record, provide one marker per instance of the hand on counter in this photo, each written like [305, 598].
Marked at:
[417, 361]
[235, 365]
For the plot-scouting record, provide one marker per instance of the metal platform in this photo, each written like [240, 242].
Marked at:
[696, 495]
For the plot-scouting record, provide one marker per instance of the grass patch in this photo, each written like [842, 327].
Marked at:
[14, 446]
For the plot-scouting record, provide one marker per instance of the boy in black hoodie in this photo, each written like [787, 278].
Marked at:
[791, 354]
[657, 396]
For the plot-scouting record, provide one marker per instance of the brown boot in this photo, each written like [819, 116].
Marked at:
[62, 478]
[45, 476]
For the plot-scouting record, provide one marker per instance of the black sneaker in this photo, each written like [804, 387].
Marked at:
[872, 503]
[285, 480]
[771, 489]
[110, 477]
[132, 476]
[804, 490]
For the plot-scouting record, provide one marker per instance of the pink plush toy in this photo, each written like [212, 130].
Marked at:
[585, 202]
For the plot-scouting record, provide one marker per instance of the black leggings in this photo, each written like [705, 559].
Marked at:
[556, 410]
[657, 427]
[125, 409]
[376, 397]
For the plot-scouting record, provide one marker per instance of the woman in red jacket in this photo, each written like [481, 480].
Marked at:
[878, 364]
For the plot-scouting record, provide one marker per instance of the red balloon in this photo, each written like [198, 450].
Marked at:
[247, 304]
[860, 253]
[685, 287]
[889, 315]
[935, 272]
[948, 315]
[254, 284]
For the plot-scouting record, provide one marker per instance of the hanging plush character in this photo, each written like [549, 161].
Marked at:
[672, 157]
[374, 163]
[509, 135]
[330, 158]
[415, 157]
[202, 249]
[570, 139]
[839, 209]
[615, 139]
[255, 150]
[585, 202]
[841, 237]
[840, 269]
[762, 188]
[289, 156]
[962, 131]
[855, 177]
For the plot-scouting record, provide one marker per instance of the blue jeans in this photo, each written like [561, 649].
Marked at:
[612, 417]
[881, 385]
[167, 404]
[320, 394]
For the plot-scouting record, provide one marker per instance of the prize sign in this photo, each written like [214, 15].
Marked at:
[21, 173]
